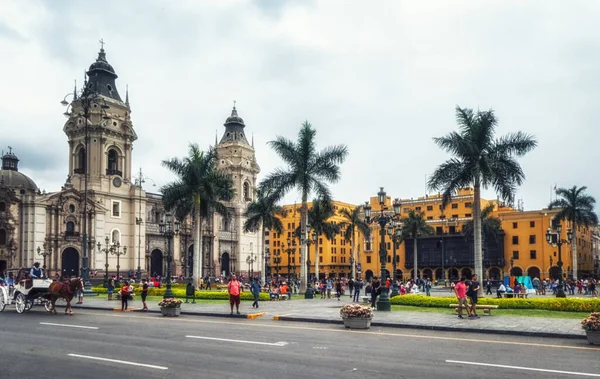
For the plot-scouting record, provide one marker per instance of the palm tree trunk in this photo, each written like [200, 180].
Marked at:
[317, 257]
[477, 233]
[353, 256]
[574, 250]
[415, 268]
[303, 245]
[263, 269]
[197, 242]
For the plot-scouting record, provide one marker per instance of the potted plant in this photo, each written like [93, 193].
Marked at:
[170, 307]
[591, 324]
[356, 316]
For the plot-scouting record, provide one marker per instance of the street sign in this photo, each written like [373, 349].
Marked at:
[359, 268]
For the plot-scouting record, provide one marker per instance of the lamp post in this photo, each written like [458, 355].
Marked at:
[116, 250]
[277, 261]
[44, 253]
[550, 270]
[395, 230]
[139, 180]
[250, 261]
[512, 263]
[168, 228]
[384, 301]
[291, 248]
[89, 98]
[553, 237]
[107, 249]
[186, 229]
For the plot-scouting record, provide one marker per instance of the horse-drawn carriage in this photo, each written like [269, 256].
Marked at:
[26, 291]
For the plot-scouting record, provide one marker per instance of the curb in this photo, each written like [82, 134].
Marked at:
[206, 314]
[440, 328]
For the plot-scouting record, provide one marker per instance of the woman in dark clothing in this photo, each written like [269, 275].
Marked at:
[124, 295]
[338, 288]
[144, 294]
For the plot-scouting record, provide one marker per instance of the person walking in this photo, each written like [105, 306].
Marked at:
[255, 289]
[110, 289]
[329, 288]
[357, 287]
[144, 294]
[338, 289]
[488, 286]
[375, 290]
[124, 296]
[460, 289]
[428, 287]
[234, 287]
[472, 293]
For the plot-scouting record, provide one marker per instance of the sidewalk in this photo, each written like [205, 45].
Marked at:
[327, 311]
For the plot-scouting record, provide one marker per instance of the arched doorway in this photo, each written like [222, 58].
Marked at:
[368, 275]
[156, 262]
[453, 274]
[533, 272]
[399, 274]
[70, 262]
[494, 273]
[225, 264]
[438, 274]
[554, 272]
[466, 272]
[427, 273]
[516, 271]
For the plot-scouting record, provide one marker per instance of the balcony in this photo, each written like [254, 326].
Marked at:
[110, 171]
[80, 170]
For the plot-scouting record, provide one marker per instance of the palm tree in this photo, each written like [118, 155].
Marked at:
[318, 216]
[480, 161]
[576, 207]
[354, 223]
[263, 213]
[199, 189]
[413, 226]
[308, 171]
[490, 225]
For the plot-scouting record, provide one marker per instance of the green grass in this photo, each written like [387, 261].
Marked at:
[157, 299]
[498, 312]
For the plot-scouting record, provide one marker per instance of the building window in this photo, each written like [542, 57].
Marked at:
[430, 217]
[116, 236]
[532, 254]
[430, 207]
[532, 239]
[454, 216]
[439, 230]
[389, 259]
[321, 259]
[468, 205]
[247, 192]
[70, 228]
[468, 215]
[515, 225]
[321, 251]
[2, 237]
[2, 206]
[515, 255]
[81, 158]
[388, 246]
[116, 208]
[454, 205]
[368, 245]
[418, 209]
[368, 259]
[113, 160]
[452, 229]
[406, 210]
[532, 224]
[515, 240]
[71, 208]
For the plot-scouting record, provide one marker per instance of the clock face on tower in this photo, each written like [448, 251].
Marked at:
[117, 182]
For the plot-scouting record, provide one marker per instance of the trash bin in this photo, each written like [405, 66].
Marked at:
[309, 294]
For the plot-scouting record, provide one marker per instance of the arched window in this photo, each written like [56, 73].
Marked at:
[70, 228]
[2, 237]
[246, 191]
[116, 236]
[112, 168]
[81, 158]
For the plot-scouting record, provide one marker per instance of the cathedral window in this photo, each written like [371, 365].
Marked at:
[116, 208]
[116, 236]
[112, 167]
[247, 191]
[81, 158]
[70, 228]
[2, 237]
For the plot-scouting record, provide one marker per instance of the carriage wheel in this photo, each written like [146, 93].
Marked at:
[2, 301]
[20, 303]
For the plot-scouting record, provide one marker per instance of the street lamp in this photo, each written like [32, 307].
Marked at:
[395, 230]
[291, 248]
[186, 229]
[107, 249]
[44, 253]
[250, 261]
[553, 237]
[277, 261]
[512, 264]
[384, 301]
[116, 250]
[141, 179]
[550, 270]
[168, 228]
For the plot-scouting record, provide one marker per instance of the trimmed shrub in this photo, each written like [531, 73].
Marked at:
[548, 304]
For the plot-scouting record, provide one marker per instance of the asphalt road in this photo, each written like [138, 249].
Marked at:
[95, 344]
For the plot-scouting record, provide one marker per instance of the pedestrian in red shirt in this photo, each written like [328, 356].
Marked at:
[461, 294]
[234, 287]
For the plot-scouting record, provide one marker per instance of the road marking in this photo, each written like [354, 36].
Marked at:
[70, 326]
[273, 325]
[524, 368]
[117, 361]
[280, 344]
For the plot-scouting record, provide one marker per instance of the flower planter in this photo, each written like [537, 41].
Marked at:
[593, 336]
[357, 322]
[170, 311]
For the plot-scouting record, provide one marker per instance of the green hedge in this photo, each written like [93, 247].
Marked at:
[179, 292]
[548, 304]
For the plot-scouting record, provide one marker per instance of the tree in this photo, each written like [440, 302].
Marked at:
[413, 226]
[318, 216]
[576, 207]
[263, 213]
[480, 161]
[200, 187]
[490, 225]
[308, 171]
[354, 223]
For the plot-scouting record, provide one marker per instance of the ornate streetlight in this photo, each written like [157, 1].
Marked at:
[384, 301]
[116, 250]
[553, 237]
[107, 249]
[185, 229]
[88, 100]
[139, 181]
[250, 261]
[550, 270]
[291, 248]
[277, 261]
[395, 230]
[44, 253]
[168, 228]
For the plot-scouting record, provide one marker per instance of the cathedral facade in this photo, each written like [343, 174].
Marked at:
[103, 199]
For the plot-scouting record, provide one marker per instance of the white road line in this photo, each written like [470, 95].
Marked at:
[70, 326]
[280, 344]
[117, 361]
[524, 368]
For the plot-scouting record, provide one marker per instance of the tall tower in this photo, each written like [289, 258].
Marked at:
[236, 251]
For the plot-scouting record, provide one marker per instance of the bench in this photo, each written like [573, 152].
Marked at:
[487, 309]
[511, 295]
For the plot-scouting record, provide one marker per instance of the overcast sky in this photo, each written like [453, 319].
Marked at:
[381, 77]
